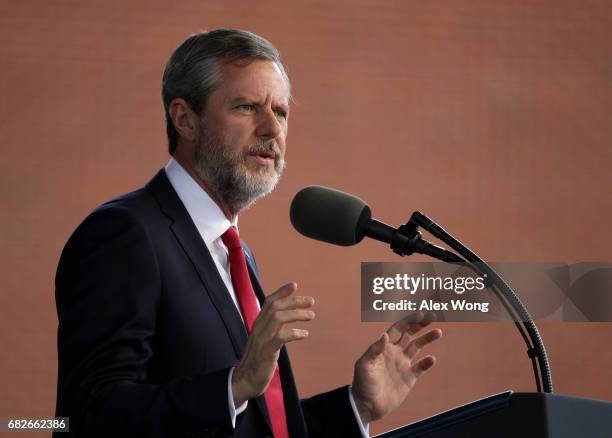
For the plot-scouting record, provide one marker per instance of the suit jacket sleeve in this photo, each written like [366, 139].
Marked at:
[108, 288]
[330, 415]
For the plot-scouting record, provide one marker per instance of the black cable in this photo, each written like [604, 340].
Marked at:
[407, 240]
[531, 351]
[538, 350]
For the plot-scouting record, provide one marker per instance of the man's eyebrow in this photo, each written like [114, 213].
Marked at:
[241, 99]
[254, 101]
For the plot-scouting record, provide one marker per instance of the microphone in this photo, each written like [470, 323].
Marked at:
[329, 215]
[340, 218]
[336, 217]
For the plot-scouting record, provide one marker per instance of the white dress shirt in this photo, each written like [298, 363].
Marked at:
[211, 223]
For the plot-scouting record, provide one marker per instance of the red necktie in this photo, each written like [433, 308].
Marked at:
[248, 305]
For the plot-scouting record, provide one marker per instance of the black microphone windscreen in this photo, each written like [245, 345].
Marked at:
[329, 215]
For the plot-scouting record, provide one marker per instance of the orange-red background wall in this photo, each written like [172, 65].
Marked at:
[495, 118]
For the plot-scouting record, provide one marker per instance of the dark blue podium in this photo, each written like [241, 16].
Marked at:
[512, 415]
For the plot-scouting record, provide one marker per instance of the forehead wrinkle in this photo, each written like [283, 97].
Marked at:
[258, 88]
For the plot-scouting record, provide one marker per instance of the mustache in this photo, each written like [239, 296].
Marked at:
[264, 146]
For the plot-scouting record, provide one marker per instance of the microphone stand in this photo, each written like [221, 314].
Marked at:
[407, 240]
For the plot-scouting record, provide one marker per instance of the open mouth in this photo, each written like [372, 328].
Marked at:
[264, 157]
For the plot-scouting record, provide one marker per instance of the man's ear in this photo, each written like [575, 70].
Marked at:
[184, 119]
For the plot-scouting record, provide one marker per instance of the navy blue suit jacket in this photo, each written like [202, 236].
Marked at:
[148, 332]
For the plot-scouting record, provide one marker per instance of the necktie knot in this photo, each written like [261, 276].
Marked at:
[230, 239]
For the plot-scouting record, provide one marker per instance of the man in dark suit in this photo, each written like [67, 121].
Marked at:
[163, 327]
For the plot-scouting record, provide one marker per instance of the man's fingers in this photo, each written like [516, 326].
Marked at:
[282, 292]
[377, 347]
[287, 334]
[292, 302]
[282, 308]
[423, 365]
[400, 327]
[273, 326]
[282, 299]
[402, 331]
[427, 319]
[287, 316]
[415, 345]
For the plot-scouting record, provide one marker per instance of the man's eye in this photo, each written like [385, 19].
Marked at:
[281, 113]
[246, 107]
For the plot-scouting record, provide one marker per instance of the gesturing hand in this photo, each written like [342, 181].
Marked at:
[256, 368]
[387, 371]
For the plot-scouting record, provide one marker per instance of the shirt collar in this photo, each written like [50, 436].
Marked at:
[205, 213]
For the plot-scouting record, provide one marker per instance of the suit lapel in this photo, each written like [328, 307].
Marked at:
[189, 238]
[253, 274]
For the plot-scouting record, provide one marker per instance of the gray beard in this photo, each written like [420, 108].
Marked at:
[220, 170]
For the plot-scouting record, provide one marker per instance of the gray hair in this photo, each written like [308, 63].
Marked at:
[192, 72]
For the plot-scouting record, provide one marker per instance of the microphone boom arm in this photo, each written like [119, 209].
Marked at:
[505, 293]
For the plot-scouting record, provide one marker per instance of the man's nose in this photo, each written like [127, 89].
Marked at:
[268, 125]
